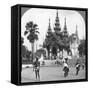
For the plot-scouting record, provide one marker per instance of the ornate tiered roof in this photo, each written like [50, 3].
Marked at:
[59, 37]
[57, 27]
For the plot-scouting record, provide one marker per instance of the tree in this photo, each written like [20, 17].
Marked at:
[23, 48]
[32, 34]
[82, 48]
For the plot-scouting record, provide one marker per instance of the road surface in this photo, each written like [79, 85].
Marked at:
[50, 74]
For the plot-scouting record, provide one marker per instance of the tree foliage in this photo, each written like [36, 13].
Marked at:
[82, 48]
[31, 30]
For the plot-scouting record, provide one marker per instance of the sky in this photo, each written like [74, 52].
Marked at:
[41, 18]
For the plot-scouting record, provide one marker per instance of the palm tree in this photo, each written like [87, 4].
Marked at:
[32, 34]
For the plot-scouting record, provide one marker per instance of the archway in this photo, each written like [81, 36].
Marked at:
[54, 52]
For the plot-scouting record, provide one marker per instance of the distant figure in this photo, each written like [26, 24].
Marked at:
[63, 60]
[83, 66]
[43, 63]
[41, 59]
[37, 68]
[66, 59]
[77, 68]
[57, 60]
[66, 69]
[83, 63]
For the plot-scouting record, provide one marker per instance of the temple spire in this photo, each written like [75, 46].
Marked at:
[65, 28]
[57, 24]
[65, 25]
[49, 28]
[57, 15]
[76, 32]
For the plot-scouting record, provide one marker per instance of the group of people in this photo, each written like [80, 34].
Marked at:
[66, 67]
[36, 67]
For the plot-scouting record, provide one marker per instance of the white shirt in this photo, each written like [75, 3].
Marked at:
[65, 65]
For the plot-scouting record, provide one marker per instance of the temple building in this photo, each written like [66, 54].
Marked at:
[57, 43]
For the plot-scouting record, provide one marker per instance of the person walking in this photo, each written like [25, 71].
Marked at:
[37, 68]
[65, 69]
[34, 63]
[77, 68]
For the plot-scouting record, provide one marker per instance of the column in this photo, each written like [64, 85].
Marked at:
[50, 54]
[61, 54]
[46, 52]
[58, 54]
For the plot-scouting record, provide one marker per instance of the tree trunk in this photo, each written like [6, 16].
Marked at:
[32, 51]
[62, 53]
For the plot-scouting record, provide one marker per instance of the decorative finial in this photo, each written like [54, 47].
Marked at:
[65, 20]
[49, 20]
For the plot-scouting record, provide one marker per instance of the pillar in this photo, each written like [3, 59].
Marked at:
[50, 54]
[58, 54]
